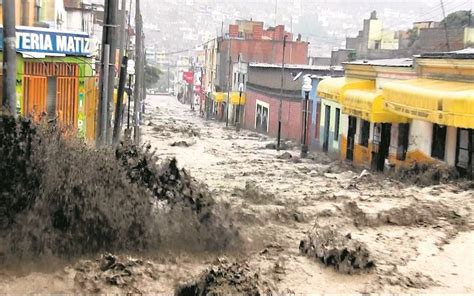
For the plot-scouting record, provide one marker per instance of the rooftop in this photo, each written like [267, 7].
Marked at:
[297, 66]
[403, 62]
[467, 53]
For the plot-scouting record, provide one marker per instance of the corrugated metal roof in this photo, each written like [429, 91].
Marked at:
[403, 62]
[297, 66]
[467, 53]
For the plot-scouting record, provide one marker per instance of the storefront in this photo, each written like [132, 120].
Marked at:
[442, 114]
[332, 121]
[55, 78]
[365, 109]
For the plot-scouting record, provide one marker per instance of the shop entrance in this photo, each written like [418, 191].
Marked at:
[51, 89]
[381, 145]
[351, 131]
[465, 152]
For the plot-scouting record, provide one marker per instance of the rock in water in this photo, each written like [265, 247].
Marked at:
[347, 255]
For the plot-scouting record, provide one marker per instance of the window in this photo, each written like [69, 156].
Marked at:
[439, 141]
[364, 133]
[403, 133]
[37, 10]
[336, 126]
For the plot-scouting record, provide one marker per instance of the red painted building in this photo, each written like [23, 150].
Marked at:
[259, 101]
[254, 44]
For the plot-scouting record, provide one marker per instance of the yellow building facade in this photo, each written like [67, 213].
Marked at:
[440, 106]
[25, 15]
[402, 111]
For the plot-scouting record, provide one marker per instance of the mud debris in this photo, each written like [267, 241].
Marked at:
[127, 275]
[420, 213]
[226, 278]
[175, 128]
[426, 174]
[283, 146]
[254, 194]
[285, 155]
[181, 144]
[347, 255]
[64, 198]
[413, 280]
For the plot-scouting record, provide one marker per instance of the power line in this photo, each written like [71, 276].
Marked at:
[436, 13]
[445, 26]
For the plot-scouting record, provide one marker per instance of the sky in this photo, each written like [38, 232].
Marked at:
[325, 22]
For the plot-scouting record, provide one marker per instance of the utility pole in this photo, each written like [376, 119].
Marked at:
[123, 23]
[281, 94]
[113, 30]
[103, 105]
[138, 72]
[168, 89]
[106, 93]
[9, 58]
[142, 84]
[229, 82]
[445, 26]
[118, 107]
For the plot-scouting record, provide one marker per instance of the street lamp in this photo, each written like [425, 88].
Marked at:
[241, 89]
[307, 87]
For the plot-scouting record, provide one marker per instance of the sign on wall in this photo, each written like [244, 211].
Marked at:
[50, 42]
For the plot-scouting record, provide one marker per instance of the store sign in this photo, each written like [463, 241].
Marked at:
[188, 76]
[34, 40]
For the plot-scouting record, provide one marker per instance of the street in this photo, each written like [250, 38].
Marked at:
[419, 238]
[429, 249]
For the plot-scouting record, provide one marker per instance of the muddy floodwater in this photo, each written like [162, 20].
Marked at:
[402, 238]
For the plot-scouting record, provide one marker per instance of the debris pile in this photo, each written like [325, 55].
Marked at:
[226, 278]
[285, 155]
[426, 174]
[181, 144]
[347, 255]
[127, 275]
[420, 213]
[254, 194]
[172, 127]
[413, 280]
[63, 198]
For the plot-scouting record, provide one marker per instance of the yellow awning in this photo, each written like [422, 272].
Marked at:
[368, 105]
[219, 97]
[443, 102]
[235, 98]
[334, 88]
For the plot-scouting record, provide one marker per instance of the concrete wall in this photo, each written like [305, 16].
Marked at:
[469, 37]
[450, 154]
[434, 39]
[420, 142]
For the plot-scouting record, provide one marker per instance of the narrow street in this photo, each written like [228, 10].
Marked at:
[419, 239]
[413, 233]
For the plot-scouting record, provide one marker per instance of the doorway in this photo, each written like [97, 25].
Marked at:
[327, 122]
[351, 131]
[465, 152]
[381, 141]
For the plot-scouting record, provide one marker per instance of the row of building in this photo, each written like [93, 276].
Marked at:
[401, 111]
[371, 112]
